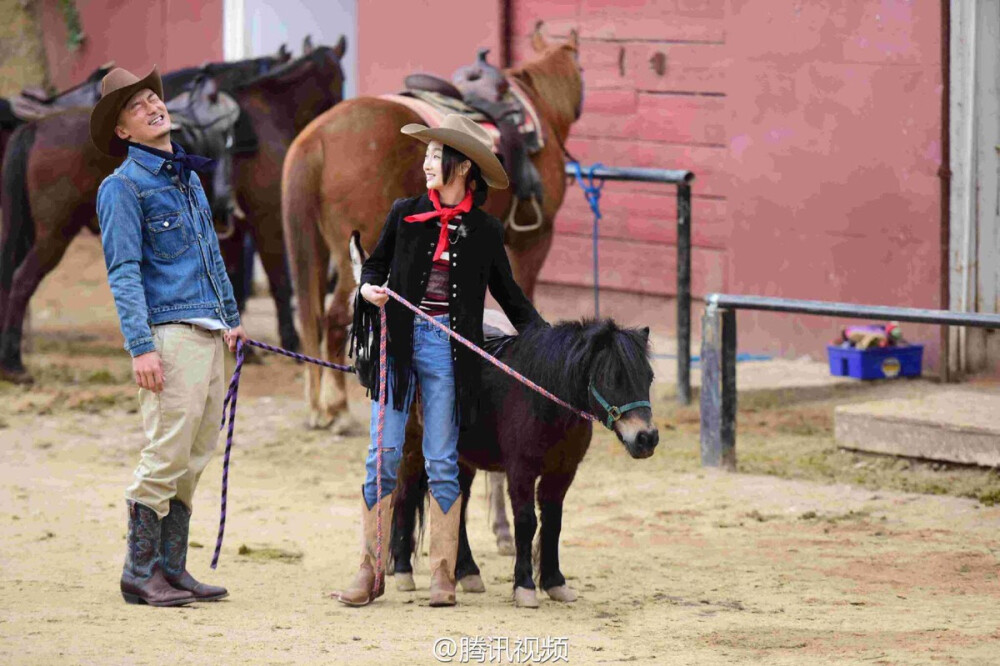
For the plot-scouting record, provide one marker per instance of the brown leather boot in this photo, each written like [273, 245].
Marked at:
[173, 555]
[443, 552]
[359, 592]
[143, 581]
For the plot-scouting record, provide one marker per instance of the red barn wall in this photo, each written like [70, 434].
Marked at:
[814, 131]
[137, 35]
[397, 38]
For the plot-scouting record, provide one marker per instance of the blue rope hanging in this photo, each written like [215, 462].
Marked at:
[593, 194]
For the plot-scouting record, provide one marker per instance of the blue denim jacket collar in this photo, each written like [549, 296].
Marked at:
[147, 160]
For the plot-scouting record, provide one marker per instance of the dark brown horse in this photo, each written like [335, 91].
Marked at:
[345, 170]
[226, 75]
[52, 171]
[278, 106]
[593, 365]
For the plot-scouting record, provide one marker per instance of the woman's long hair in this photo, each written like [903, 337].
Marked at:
[450, 161]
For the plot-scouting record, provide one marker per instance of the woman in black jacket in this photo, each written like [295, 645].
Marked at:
[441, 252]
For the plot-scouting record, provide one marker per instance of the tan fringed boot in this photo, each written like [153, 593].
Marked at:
[443, 552]
[359, 592]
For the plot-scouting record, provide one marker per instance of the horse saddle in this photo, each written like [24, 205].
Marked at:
[484, 94]
[204, 119]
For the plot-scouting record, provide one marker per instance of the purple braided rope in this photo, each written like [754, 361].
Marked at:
[301, 357]
[230, 402]
[503, 366]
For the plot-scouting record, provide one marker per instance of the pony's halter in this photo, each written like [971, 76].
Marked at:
[615, 413]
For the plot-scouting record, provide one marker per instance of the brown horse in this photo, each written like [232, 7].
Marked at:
[226, 75]
[52, 171]
[278, 105]
[345, 170]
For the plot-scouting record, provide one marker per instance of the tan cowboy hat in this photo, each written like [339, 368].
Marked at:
[117, 87]
[467, 138]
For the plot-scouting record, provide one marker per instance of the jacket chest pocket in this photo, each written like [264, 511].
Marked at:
[169, 234]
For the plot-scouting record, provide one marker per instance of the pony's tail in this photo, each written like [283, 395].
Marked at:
[308, 257]
[17, 233]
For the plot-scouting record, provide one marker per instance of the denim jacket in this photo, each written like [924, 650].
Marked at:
[160, 249]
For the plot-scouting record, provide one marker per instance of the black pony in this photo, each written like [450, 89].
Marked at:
[597, 367]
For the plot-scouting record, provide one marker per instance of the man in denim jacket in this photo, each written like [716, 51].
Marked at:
[177, 314]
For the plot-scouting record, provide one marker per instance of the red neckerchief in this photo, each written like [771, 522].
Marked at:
[447, 214]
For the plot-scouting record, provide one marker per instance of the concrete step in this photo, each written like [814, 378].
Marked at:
[953, 425]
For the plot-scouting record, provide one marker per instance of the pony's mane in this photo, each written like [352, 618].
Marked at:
[555, 78]
[565, 357]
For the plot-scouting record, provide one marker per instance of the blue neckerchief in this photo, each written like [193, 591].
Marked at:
[180, 159]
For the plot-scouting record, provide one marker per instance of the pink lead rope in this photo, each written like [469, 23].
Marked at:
[230, 417]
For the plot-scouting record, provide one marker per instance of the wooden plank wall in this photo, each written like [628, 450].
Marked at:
[655, 96]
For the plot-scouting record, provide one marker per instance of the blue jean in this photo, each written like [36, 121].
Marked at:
[432, 366]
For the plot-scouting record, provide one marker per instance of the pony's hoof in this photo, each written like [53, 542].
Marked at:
[505, 546]
[472, 583]
[525, 598]
[404, 582]
[562, 593]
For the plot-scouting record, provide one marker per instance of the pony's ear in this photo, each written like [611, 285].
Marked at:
[574, 39]
[307, 45]
[283, 53]
[645, 332]
[341, 47]
[537, 40]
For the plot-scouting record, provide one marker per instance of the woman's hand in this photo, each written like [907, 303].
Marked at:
[374, 294]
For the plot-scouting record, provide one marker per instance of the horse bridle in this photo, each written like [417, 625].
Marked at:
[614, 412]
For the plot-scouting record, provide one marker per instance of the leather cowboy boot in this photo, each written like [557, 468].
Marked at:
[173, 555]
[143, 581]
[359, 592]
[444, 551]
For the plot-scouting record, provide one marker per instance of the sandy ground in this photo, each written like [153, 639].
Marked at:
[672, 565]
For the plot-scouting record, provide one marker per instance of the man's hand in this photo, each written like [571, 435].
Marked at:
[234, 334]
[148, 371]
[374, 294]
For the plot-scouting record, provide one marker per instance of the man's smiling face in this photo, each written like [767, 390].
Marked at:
[144, 119]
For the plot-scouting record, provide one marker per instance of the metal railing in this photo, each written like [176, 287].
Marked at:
[682, 179]
[718, 355]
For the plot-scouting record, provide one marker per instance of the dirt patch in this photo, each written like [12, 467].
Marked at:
[673, 563]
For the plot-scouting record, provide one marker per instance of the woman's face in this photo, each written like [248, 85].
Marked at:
[433, 171]
[432, 165]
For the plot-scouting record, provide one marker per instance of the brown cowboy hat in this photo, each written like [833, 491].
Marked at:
[117, 87]
[467, 138]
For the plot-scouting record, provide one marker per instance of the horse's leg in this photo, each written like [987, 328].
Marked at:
[551, 492]
[498, 507]
[333, 387]
[411, 489]
[39, 262]
[466, 571]
[268, 238]
[521, 486]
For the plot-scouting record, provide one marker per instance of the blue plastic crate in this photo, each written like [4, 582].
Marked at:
[877, 362]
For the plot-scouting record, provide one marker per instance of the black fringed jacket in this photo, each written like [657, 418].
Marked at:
[403, 254]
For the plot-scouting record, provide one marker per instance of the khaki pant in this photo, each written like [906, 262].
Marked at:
[182, 421]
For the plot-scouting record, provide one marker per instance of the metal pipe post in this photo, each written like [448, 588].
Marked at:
[718, 388]
[684, 293]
